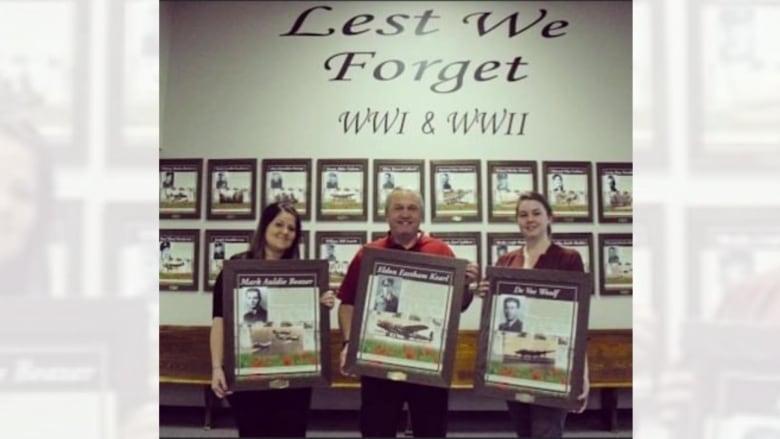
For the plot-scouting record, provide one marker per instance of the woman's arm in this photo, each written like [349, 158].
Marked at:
[218, 380]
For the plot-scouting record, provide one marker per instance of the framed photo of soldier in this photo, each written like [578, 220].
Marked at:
[404, 327]
[277, 334]
[506, 181]
[455, 189]
[391, 174]
[533, 336]
[465, 245]
[179, 250]
[220, 246]
[568, 188]
[499, 244]
[180, 186]
[616, 190]
[616, 264]
[232, 191]
[582, 243]
[338, 249]
[288, 181]
[343, 186]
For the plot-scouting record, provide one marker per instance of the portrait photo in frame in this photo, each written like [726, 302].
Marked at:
[533, 336]
[343, 186]
[615, 192]
[232, 191]
[456, 189]
[391, 174]
[338, 249]
[179, 250]
[180, 188]
[220, 246]
[404, 328]
[499, 244]
[583, 244]
[616, 264]
[277, 333]
[289, 181]
[506, 181]
[568, 188]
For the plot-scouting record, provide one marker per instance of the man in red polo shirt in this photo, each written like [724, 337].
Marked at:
[382, 400]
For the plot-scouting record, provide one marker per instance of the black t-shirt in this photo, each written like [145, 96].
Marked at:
[216, 300]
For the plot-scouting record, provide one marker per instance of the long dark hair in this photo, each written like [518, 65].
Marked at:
[257, 246]
[535, 196]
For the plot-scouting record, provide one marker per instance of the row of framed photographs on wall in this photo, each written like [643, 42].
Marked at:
[342, 187]
[180, 254]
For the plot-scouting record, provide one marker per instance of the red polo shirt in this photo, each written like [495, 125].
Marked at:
[424, 244]
[555, 258]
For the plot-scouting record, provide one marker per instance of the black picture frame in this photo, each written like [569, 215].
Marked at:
[530, 359]
[179, 259]
[394, 341]
[616, 268]
[233, 242]
[344, 246]
[338, 200]
[615, 192]
[565, 198]
[272, 353]
[461, 202]
[231, 203]
[389, 174]
[506, 181]
[287, 180]
[182, 201]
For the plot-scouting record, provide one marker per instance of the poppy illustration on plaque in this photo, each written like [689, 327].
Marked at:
[232, 189]
[568, 188]
[507, 181]
[456, 191]
[342, 189]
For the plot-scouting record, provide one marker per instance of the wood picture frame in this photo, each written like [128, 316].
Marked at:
[615, 192]
[569, 190]
[180, 188]
[232, 189]
[219, 246]
[498, 244]
[533, 336]
[342, 190]
[338, 249]
[404, 328]
[465, 245]
[616, 276]
[456, 191]
[282, 339]
[179, 261]
[288, 180]
[389, 174]
[506, 181]
[583, 244]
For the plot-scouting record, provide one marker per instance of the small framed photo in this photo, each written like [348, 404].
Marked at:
[568, 188]
[288, 180]
[456, 186]
[232, 194]
[465, 245]
[180, 186]
[342, 190]
[390, 174]
[179, 250]
[582, 243]
[277, 334]
[506, 181]
[616, 259]
[405, 325]
[500, 244]
[533, 336]
[221, 245]
[303, 245]
[338, 248]
[616, 192]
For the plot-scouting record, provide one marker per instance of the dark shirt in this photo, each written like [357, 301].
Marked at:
[555, 258]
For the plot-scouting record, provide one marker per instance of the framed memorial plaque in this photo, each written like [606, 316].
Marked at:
[500, 244]
[221, 245]
[616, 259]
[179, 259]
[338, 248]
[533, 336]
[456, 190]
[582, 243]
[342, 190]
[180, 188]
[277, 334]
[232, 194]
[288, 180]
[405, 325]
[568, 189]
[616, 191]
[390, 174]
[506, 181]
[465, 245]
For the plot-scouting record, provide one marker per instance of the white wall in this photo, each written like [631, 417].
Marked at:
[235, 88]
